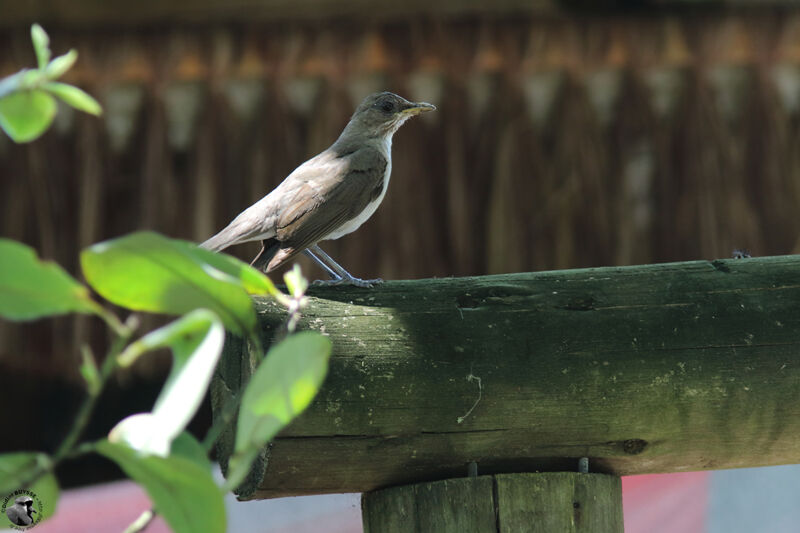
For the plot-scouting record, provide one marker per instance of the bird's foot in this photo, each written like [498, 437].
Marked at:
[356, 282]
[366, 283]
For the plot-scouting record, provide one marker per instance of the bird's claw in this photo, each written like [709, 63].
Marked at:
[366, 283]
[356, 282]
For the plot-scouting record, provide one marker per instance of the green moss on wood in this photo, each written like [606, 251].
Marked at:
[655, 368]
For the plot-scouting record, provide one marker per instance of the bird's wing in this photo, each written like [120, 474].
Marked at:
[258, 221]
[302, 222]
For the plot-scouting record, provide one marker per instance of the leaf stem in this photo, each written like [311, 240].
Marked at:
[141, 523]
[123, 335]
[120, 330]
[11, 84]
[69, 447]
[81, 449]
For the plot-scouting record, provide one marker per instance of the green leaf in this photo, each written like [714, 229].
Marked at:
[30, 288]
[61, 64]
[182, 491]
[296, 284]
[41, 45]
[26, 115]
[281, 388]
[148, 272]
[89, 371]
[77, 98]
[251, 279]
[185, 445]
[196, 341]
[16, 468]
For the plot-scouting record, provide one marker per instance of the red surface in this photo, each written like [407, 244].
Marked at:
[100, 509]
[665, 503]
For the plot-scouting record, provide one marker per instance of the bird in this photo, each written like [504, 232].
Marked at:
[328, 196]
[21, 513]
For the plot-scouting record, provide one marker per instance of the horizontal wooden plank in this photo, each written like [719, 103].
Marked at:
[116, 12]
[154, 11]
[657, 368]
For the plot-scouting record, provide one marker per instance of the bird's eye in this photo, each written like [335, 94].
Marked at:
[387, 106]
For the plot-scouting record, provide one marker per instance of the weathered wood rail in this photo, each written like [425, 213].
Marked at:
[656, 368]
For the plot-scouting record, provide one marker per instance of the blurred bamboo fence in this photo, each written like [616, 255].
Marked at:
[559, 142]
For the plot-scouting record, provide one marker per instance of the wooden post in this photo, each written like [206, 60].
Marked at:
[557, 502]
[654, 368]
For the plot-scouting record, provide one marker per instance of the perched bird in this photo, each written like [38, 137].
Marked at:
[329, 195]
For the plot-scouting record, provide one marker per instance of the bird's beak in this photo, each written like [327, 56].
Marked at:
[418, 107]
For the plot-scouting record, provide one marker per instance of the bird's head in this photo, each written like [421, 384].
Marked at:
[27, 503]
[380, 114]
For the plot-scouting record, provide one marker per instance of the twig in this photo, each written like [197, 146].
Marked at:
[141, 523]
[472, 378]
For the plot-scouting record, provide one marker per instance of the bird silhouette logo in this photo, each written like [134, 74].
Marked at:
[25, 511]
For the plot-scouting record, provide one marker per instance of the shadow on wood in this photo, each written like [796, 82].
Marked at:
[656, 368]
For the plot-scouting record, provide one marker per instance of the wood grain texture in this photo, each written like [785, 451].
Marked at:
[564, 502]
[657, 368]
[452, 505]
[559, 501]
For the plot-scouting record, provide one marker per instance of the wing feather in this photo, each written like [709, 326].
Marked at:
[320, 206]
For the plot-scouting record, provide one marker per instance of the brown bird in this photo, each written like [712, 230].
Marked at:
[328, 196]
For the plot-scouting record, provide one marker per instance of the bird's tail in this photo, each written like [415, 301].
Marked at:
[227, 237]
[215, 243]
[269, 247]
[252, 224]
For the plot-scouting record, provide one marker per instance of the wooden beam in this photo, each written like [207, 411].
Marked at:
[118, 13]
[566, 502]
[86, 12]
[656, 368]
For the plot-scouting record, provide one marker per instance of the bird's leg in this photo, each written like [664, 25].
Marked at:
[344, 277]
[258, 262]
[332, 273]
